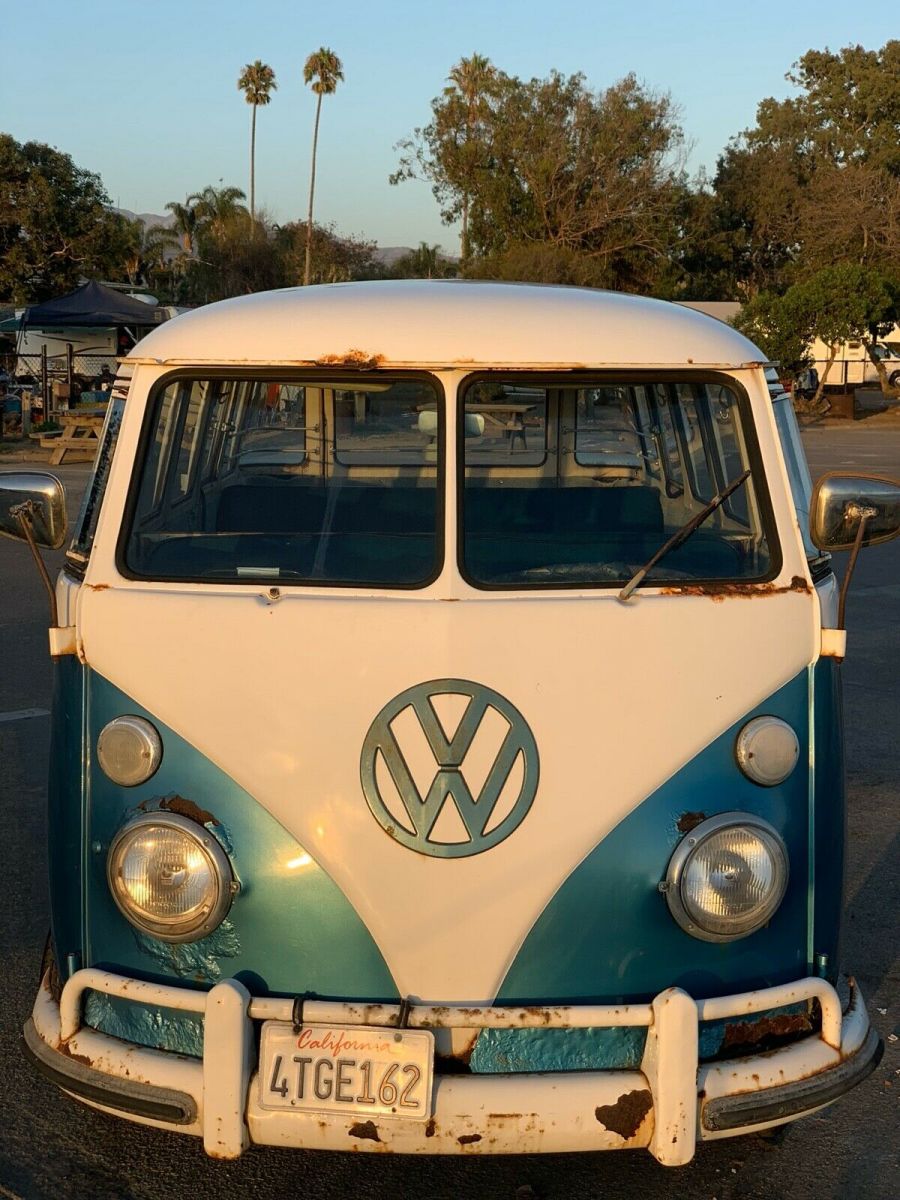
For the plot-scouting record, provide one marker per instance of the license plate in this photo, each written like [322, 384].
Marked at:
[349, 1069]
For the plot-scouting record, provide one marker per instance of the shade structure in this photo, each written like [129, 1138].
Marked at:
[92, 305]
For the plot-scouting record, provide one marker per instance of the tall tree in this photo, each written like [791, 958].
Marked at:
[470, 80]
[323, 71]
[55, 224]
[257, 82]
[571, 185]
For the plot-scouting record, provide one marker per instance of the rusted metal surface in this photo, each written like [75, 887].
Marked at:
[768, 1033]
[467, 1139]
[456, 1062]
[626, 1116]
[359, 360]
[366, 1130]
[187, 808]
[718, 590]
[689, 820]
[84, 1059]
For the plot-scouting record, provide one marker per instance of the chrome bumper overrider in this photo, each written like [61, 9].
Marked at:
[667, 1106]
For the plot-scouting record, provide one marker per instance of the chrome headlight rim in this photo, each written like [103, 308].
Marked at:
[174, 929]
[692, 842]
[151, 742]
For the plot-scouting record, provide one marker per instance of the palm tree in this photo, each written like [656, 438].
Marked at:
[323, 71]
[184, 224]
[470, 78]
[257, 82]
[216, 207]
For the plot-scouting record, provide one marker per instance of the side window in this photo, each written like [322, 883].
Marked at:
[86, 525]
[159, 452]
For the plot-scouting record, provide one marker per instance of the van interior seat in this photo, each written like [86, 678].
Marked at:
[288, 506]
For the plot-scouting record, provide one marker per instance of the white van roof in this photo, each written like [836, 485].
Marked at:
[435, 323]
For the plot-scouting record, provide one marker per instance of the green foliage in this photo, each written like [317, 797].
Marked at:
[323, 71]
[780, 330]
[257, 82]
[55, 227]
[555, 180]
[426, 262]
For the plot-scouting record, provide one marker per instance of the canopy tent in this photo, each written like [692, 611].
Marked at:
[92, 305]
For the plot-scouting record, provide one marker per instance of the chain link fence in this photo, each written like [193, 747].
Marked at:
[36, 388]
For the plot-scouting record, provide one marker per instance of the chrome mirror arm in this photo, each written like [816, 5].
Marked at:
[25, 513]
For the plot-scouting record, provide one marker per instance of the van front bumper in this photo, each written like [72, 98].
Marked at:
[667, 1106]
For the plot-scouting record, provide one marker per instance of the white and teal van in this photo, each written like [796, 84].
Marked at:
[447, 746]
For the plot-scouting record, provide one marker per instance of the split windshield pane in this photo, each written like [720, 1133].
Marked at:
[573, 485]
[299, 480]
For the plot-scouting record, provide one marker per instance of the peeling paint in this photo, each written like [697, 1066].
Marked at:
[358, 359]
[723, 590]
[84, 1059]
[627, 1114]
[366, 1130]
[196, 961]
[147, 1025]
[689, 820]
[187, 808]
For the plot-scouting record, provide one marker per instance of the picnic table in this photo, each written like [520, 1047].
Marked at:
[80, 435]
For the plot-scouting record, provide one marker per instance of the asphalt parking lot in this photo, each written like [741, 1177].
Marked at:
[52, 1147]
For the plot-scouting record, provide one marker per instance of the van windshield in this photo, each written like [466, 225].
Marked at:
[302, 480]
[574, 485]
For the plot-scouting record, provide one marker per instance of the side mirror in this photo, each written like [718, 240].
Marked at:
[39, 498]
[841, 504]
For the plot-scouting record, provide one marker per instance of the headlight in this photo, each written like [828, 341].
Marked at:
[129, 750]
[170, 877]
[727, 878]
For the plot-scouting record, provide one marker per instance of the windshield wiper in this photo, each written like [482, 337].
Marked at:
[682, 535]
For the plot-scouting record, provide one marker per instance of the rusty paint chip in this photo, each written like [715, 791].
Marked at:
[65, 1048]
[358, 359]
[187, 808]
[689, 820]
[466, 1139]
[364, 1129]
[625, 1116]
[723, 590]
[429, 1128]
[767, 1033]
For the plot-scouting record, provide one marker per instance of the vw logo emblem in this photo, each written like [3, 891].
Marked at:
[445, 791]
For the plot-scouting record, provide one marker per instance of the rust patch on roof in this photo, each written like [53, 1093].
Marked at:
[364, 1129]
[627, 1114]
[359, 360]
[718, 590]
[187, 808]
[689, 820]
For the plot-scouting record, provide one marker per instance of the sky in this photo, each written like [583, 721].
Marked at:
[145, 93]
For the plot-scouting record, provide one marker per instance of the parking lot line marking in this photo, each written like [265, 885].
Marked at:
[23, 714]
